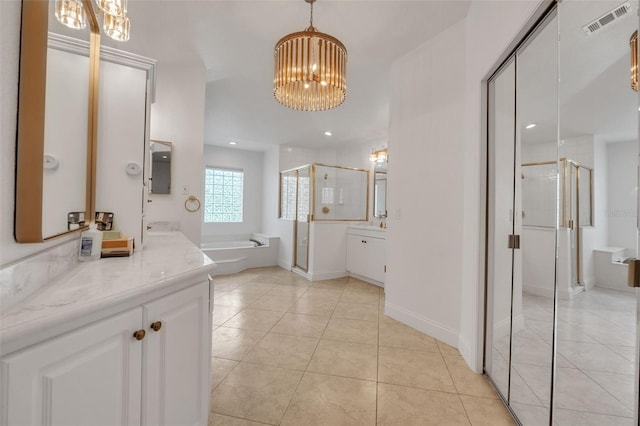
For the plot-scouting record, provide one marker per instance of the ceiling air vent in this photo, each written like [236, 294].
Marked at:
[607, 18]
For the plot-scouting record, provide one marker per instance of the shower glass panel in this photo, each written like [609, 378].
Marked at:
[303, 214]
[585, 195]
[539, 188]
[340, 193]
[500, 203]
[596, 377]
[536, 189]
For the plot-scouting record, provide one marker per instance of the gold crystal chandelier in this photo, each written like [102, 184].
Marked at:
[73, 14]
[310, 70]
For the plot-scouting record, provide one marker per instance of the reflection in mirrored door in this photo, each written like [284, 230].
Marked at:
[596, 318]
[501, 128]
[536, 216]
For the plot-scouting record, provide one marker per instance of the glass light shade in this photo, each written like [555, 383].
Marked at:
[116, 27]
[71, 13]
[633, 44]
[379, 156]
[310, 72]
[113, 7]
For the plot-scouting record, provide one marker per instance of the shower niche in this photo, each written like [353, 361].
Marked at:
[316, 194]
[562, 212]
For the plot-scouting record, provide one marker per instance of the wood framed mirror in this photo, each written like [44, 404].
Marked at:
[56, 132]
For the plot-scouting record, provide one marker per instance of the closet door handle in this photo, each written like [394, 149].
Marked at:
[156, 326]
[139, 335]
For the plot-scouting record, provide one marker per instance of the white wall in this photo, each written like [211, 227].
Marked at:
[426, 129]
[622, 190]
[491, 26]
[177, 116]
[425, 183]
[328, 250]
[596, 237]
[271, 225]
[251, 163]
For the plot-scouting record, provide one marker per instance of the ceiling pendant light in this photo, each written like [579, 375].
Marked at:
[113, 7]
[116, 27]
[71, 13]
[310, 70]
[633, 44]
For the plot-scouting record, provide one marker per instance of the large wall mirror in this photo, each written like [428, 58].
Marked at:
[57, 123]
[380, 190]
[160, 168]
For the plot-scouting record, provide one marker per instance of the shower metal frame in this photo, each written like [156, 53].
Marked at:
[567, 189]
[312, 194]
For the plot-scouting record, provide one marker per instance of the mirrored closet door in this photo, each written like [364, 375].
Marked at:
[562, 223]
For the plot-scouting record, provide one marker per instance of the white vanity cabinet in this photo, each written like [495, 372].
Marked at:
[141, 366]
[366, 254]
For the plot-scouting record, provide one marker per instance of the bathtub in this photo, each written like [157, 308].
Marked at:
[610, 267]
[238, 255]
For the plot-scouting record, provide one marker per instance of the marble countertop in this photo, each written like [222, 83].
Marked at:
[367, 227]
[97, 289]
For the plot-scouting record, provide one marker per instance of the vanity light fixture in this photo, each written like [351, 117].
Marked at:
[633, 44]
[233, 143]
[328, 133]
[310, 70]
[531, 126]
[379, 156]
[73, 14]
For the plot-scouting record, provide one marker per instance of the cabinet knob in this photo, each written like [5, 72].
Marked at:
[139, 335]
[156, 325]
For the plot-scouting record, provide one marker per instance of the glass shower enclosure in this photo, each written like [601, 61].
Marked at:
[319, 192]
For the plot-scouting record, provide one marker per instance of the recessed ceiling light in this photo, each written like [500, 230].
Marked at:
[327, 133]
[531, 126]
[233, 143]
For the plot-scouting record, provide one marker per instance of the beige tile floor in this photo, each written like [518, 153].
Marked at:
[287, 351]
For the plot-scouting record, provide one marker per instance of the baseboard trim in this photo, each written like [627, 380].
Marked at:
[319, 276]
[285, 265]
[422, 324]
[365, 279]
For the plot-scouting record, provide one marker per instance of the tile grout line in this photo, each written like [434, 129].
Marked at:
[307, 366]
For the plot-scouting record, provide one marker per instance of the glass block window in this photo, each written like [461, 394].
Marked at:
[223, 195]
[288, 188]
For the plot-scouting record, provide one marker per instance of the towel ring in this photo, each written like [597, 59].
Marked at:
[192, 199]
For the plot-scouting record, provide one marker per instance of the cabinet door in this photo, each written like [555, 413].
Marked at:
[376, 258]
[177, 359]
[91, 376]
[356, 254]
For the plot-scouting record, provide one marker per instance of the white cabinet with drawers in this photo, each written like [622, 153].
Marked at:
[366, 254]
[134, 349]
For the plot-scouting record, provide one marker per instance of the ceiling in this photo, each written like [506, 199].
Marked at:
[593, 95]
[235, 39]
